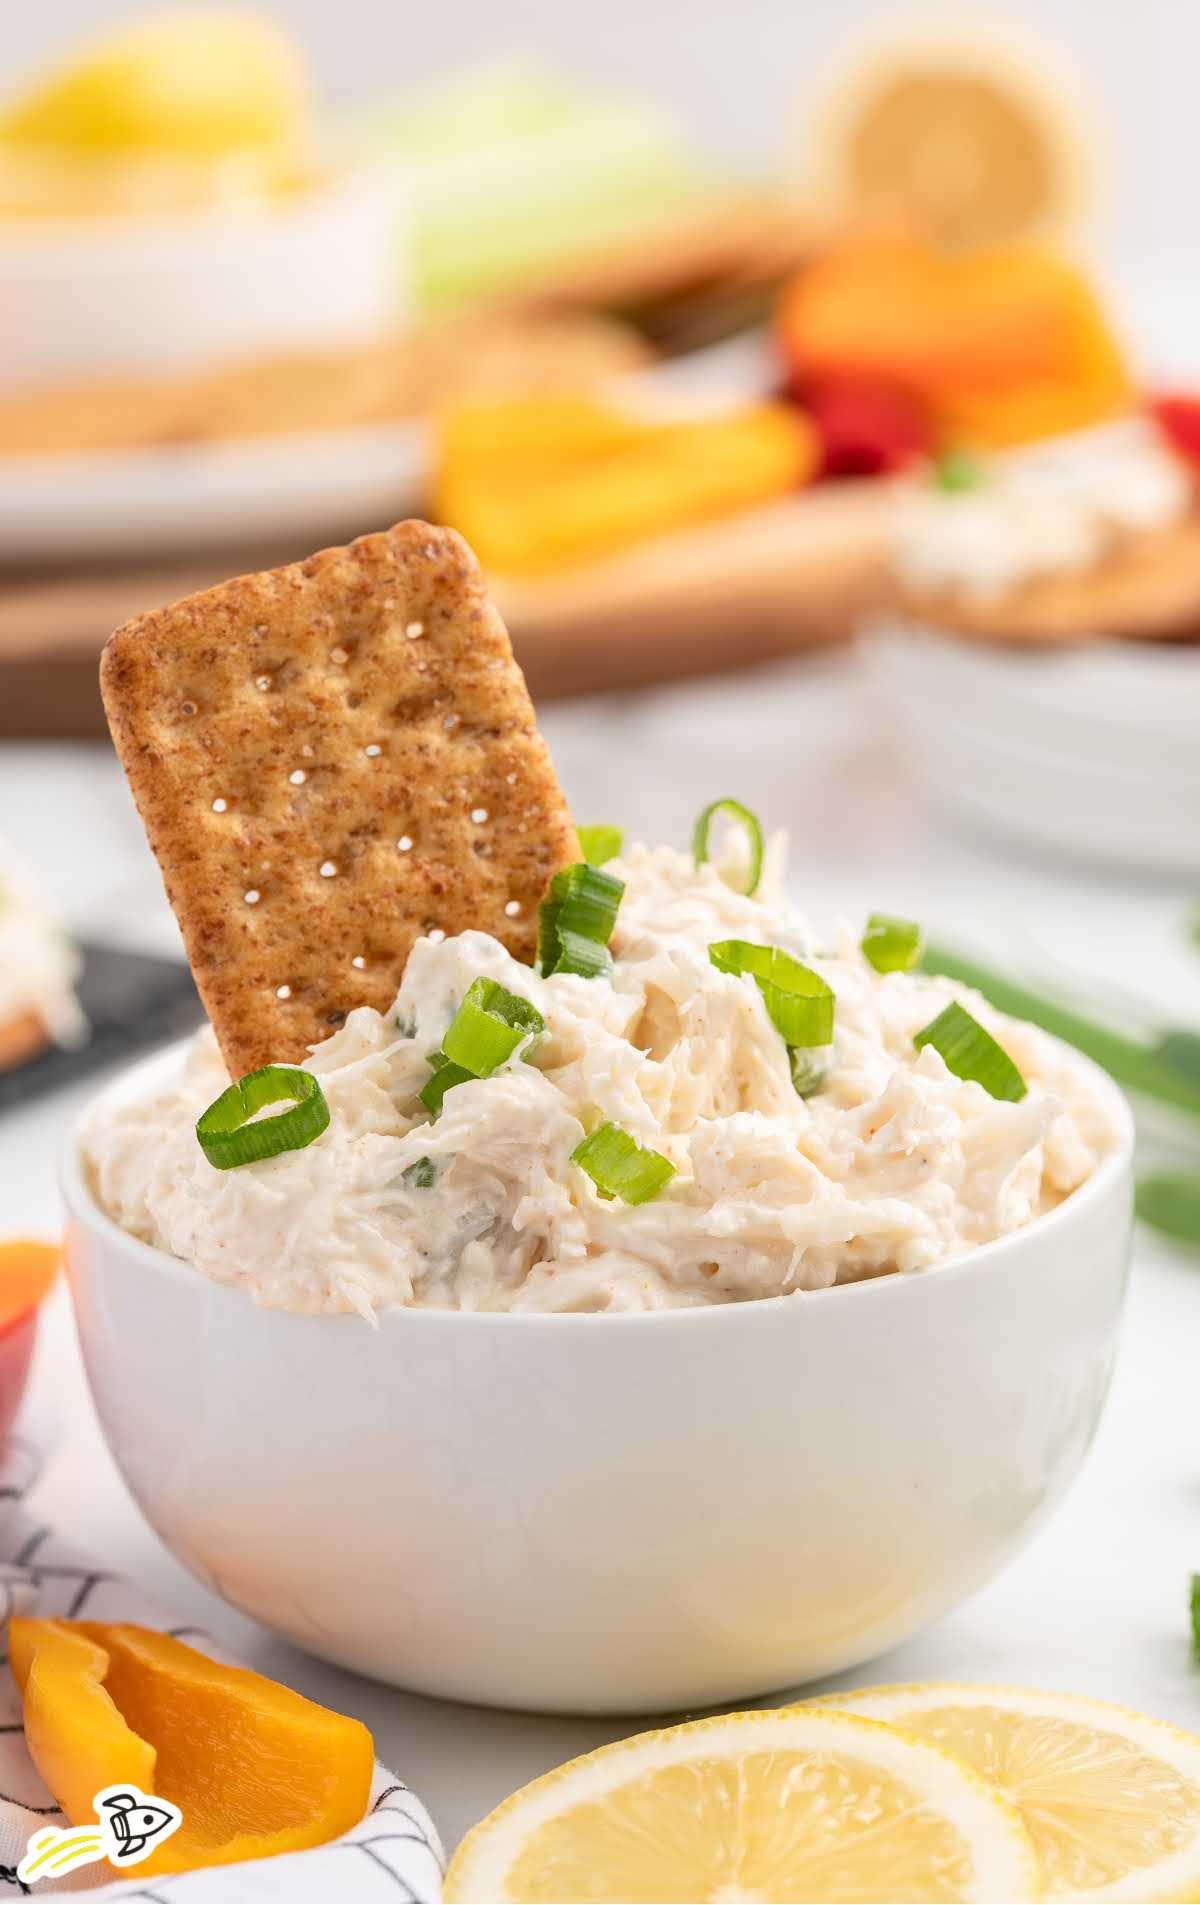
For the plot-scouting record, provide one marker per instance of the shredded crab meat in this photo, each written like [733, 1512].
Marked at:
[892, 1165]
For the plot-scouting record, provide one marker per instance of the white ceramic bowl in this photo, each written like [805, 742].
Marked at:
[608, 1514]
[106, 297]
[1089, 751]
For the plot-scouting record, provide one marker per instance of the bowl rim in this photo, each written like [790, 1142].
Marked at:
[84, 1208]
[72, 246]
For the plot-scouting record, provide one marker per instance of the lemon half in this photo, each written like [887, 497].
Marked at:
[1111, 1799]
[960, 130]
[800, 1804]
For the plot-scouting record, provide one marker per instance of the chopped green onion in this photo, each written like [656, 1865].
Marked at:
[807, 1075]
[956, 471]
[798, 1000]
[576, 919]
[485, 1031]
[421, 1176]
[971, 1053]
[488, 1027]
[1153, 1068]
[228, 1139]
[599, 844]
[1194, 1599]
[1170, 1201]
[750, 826]
[619, 1167]
[445, 1077]
[891, 944]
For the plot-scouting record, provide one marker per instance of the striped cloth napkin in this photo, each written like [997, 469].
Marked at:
[394, 1853]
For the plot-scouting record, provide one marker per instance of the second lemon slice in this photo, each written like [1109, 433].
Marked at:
[1110, 1798]
[793, 1805]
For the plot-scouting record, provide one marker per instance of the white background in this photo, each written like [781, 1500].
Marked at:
[739, 72]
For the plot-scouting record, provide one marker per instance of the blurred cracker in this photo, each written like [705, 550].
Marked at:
[389, 379]
[362, 720]
[1148, 586]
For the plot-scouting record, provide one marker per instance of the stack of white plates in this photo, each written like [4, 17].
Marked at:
[1091, 750]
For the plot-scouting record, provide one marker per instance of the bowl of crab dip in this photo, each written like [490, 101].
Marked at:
[695, 1313]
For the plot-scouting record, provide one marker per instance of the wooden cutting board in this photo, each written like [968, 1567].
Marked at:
[749, 589]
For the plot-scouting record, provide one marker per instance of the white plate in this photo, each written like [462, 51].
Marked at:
[1091, 752]
[131, 503]
[135, 502]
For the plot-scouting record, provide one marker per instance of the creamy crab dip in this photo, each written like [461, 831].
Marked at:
[1046, 509]
[891, 1162]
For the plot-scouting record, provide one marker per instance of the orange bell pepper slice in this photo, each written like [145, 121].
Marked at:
[254, 1768]
[27, 1270]
[1004, 344]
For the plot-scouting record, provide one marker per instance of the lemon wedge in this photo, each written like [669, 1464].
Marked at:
[1110, 1799]
[203, 83]
[790, 1805]
[960, 131]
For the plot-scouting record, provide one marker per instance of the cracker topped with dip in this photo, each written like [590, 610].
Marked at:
[332, 760]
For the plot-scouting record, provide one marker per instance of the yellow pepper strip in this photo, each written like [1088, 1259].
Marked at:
[255, 1768]
[552, 501]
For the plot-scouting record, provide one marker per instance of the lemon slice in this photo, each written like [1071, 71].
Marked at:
[1111, 1799]
[958, 131]
[785, 1805]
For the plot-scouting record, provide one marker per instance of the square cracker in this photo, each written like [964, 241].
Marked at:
[331, 759]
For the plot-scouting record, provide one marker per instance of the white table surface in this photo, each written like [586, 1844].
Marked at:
[1098, 1603]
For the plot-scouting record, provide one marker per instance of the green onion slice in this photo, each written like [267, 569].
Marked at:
[619, 1167]
[576, 919]
[485, 1031]
[749, 824]
[956, 471]
[891, 944]
[599, 844]
[421, 1176]
[972, 1053]
[807, 1075]
[228, 1140]
[1170, 1201]
[445, 1077]
[800, 1003]
[488, 1027]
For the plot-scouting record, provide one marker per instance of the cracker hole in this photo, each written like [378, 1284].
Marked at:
[283, 992]
[252, 896]
[372, 750]
[339, 656]
[404, 844]
[220, 806]
[511, 779]
[512, 908]
[327, 869]
[451, 722]
[479, 815]
[262, 683]
[414, 631]
[435, 935]
[297, 777]
[359, 962]
[188, 707]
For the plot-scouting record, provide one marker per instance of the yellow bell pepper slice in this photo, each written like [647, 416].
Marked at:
[557, 498]
[254, 1768]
